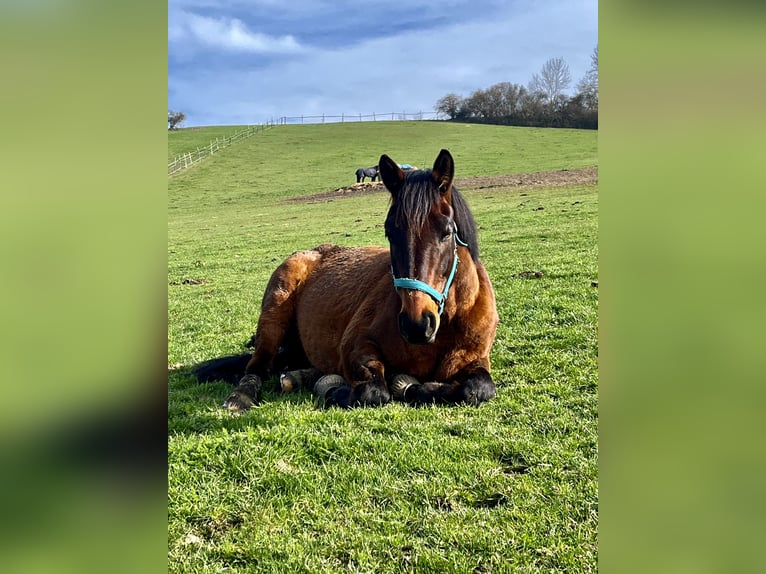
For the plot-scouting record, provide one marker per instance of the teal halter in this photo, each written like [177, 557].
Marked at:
[416, 284]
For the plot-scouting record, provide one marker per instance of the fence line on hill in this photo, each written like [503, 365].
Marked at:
[375, 117]
[189, 158]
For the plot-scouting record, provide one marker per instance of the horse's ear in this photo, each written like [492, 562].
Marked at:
[443, 171]
[391, 174]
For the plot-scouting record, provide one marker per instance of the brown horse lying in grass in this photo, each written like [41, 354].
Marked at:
[415, 322]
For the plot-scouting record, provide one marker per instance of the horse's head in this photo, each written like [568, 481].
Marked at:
[422, 230]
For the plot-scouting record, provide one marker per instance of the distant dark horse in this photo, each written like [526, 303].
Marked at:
[415, 322]
[371, 172]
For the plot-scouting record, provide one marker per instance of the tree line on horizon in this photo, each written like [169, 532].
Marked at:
[543, 102]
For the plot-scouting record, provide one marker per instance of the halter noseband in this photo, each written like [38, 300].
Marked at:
[416, 284]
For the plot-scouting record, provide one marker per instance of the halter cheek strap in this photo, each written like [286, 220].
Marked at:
[416, 284]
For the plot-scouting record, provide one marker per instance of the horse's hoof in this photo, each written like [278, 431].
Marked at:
[370, 395]
[247, 394]
[326, 385]
[292, 381]
[400, 384]
[238, 402]
[477, 391]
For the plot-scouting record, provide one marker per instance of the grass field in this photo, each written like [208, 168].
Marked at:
[510, 486]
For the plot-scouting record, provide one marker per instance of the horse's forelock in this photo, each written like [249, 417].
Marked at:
[414, 201]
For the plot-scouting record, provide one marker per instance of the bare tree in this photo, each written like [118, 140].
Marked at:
[175, 119]
[449, 105]
[588, 85]
[553, 80]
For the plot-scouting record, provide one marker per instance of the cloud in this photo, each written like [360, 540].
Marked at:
[227, 34]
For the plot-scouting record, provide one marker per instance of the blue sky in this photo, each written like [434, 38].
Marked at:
[244, 62]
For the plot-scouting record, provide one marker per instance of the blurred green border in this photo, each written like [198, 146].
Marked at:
[83, 296]
[681, 264]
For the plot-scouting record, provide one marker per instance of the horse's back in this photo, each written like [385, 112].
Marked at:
[347, 280]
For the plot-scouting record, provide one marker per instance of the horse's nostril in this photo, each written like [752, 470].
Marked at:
[430, 320]
[418, 332]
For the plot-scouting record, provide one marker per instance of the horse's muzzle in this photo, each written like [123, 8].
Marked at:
[422, 332]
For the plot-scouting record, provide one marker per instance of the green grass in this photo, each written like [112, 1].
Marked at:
[507, 487]
[298, 160]
[189, 139]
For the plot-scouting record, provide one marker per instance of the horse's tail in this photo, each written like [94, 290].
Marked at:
[230, 369]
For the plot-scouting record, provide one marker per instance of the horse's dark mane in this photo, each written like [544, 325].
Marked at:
[466, 225]
[414, 201]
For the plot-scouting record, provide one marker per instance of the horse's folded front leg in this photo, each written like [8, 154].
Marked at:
[369, 388]
[334, 391]
[371, 394]
[473, 385]
[369, 382]
[408, 389]
[326, 388]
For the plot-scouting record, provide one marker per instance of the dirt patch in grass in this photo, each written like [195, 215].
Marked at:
[513, 181]
[190, 282]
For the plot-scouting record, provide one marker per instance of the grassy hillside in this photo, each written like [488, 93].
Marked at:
[297, 160]
[507, 487]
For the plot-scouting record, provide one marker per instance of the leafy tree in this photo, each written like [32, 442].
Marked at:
[477, 105]
[175, 119]
[449, 105]
[504, 99]
[543, 103]
[499, 102]
[532, 108]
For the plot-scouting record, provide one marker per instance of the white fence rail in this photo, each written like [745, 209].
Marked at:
[189, 158]
[375, 117]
